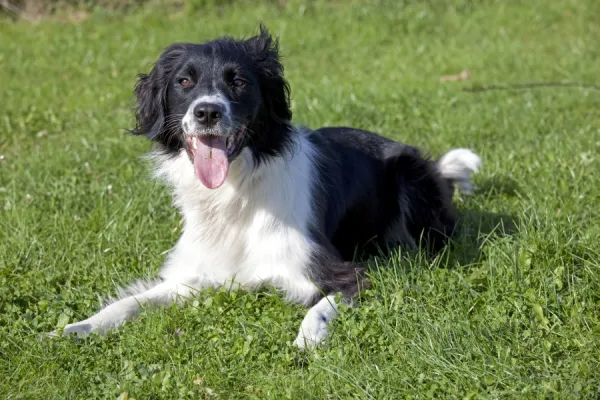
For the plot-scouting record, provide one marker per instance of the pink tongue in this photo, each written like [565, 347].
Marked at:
[210, 162]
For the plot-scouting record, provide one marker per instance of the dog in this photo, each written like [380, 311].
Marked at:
[265, 202]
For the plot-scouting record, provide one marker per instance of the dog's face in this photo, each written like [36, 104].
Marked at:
[214, 100]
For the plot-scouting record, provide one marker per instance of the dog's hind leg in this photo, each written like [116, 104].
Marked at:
[115, 314]
[425, 198]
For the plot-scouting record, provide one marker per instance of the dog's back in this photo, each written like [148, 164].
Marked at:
[378, 193]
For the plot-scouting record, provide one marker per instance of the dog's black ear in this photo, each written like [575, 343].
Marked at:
[151, 94]
[275, 89]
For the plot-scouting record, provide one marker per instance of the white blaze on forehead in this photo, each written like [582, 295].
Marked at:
[189, 123]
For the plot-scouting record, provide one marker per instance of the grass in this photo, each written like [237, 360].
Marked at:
[512, 310]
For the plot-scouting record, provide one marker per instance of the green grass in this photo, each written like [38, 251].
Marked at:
[512, 310]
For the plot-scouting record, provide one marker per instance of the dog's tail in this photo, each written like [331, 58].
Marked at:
[457, 166]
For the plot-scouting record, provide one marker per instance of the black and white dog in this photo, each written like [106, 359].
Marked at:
[268, 203]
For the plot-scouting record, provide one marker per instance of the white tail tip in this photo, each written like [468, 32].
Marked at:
[458, 165]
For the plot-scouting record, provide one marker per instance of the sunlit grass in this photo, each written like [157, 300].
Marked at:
[511, 310]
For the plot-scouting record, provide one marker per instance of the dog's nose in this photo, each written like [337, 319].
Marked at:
[208, 114]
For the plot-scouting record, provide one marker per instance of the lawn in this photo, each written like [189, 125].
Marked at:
[510, 310]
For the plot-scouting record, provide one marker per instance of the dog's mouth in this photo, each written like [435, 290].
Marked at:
[211, 155]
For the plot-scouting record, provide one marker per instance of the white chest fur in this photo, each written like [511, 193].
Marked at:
[254, 229]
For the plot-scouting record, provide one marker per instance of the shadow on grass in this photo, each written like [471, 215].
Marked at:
[499, 185]
[476, 229]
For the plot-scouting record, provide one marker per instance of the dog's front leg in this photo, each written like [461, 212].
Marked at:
[315, 325]
[115, 314]
[344, 277]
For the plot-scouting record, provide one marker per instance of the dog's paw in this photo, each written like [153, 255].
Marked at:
[314, 327]
[312, 332]
[80, 329]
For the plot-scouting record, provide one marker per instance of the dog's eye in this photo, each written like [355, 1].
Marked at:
[185, 82]
[238, 82]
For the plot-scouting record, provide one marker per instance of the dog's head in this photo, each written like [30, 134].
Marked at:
[214, 100]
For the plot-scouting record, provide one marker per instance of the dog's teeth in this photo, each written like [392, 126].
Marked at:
[194, 144]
